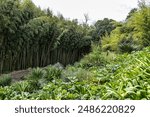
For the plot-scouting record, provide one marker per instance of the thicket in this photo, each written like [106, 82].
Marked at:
[31, 37]
[131, 35]
[127, 77]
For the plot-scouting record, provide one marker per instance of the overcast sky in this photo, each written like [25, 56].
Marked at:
[96, 9]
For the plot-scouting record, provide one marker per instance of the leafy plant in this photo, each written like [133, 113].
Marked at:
[52, 72]
[5, 80]
[95, 58]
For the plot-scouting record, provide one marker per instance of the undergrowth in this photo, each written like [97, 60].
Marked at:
[98, 76]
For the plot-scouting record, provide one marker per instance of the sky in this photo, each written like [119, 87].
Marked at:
[96, 9]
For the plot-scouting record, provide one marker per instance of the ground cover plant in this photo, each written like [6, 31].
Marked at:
[125, 78]
[62, 59]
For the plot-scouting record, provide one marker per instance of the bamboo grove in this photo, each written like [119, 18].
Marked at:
[31, 37]
[116, 65]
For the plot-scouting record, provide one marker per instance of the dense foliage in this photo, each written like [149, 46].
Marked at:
[125, 78]
[133, 34]
[103, 27]
[118, 66]
[31, 37]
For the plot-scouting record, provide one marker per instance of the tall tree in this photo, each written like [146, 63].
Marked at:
[103, 27]
[131, 13]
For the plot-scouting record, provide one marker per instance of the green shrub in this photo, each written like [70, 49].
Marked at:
[2, 93]
[127, 44]
[35, 78]
[111, 42]
[23, 86]
[52, 72]
[75, 74]
[39, 77]
[5, 80]
[84, 75]
[95, 58]
[36, 74]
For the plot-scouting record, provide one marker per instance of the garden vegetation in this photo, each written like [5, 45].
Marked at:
[70, 60]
